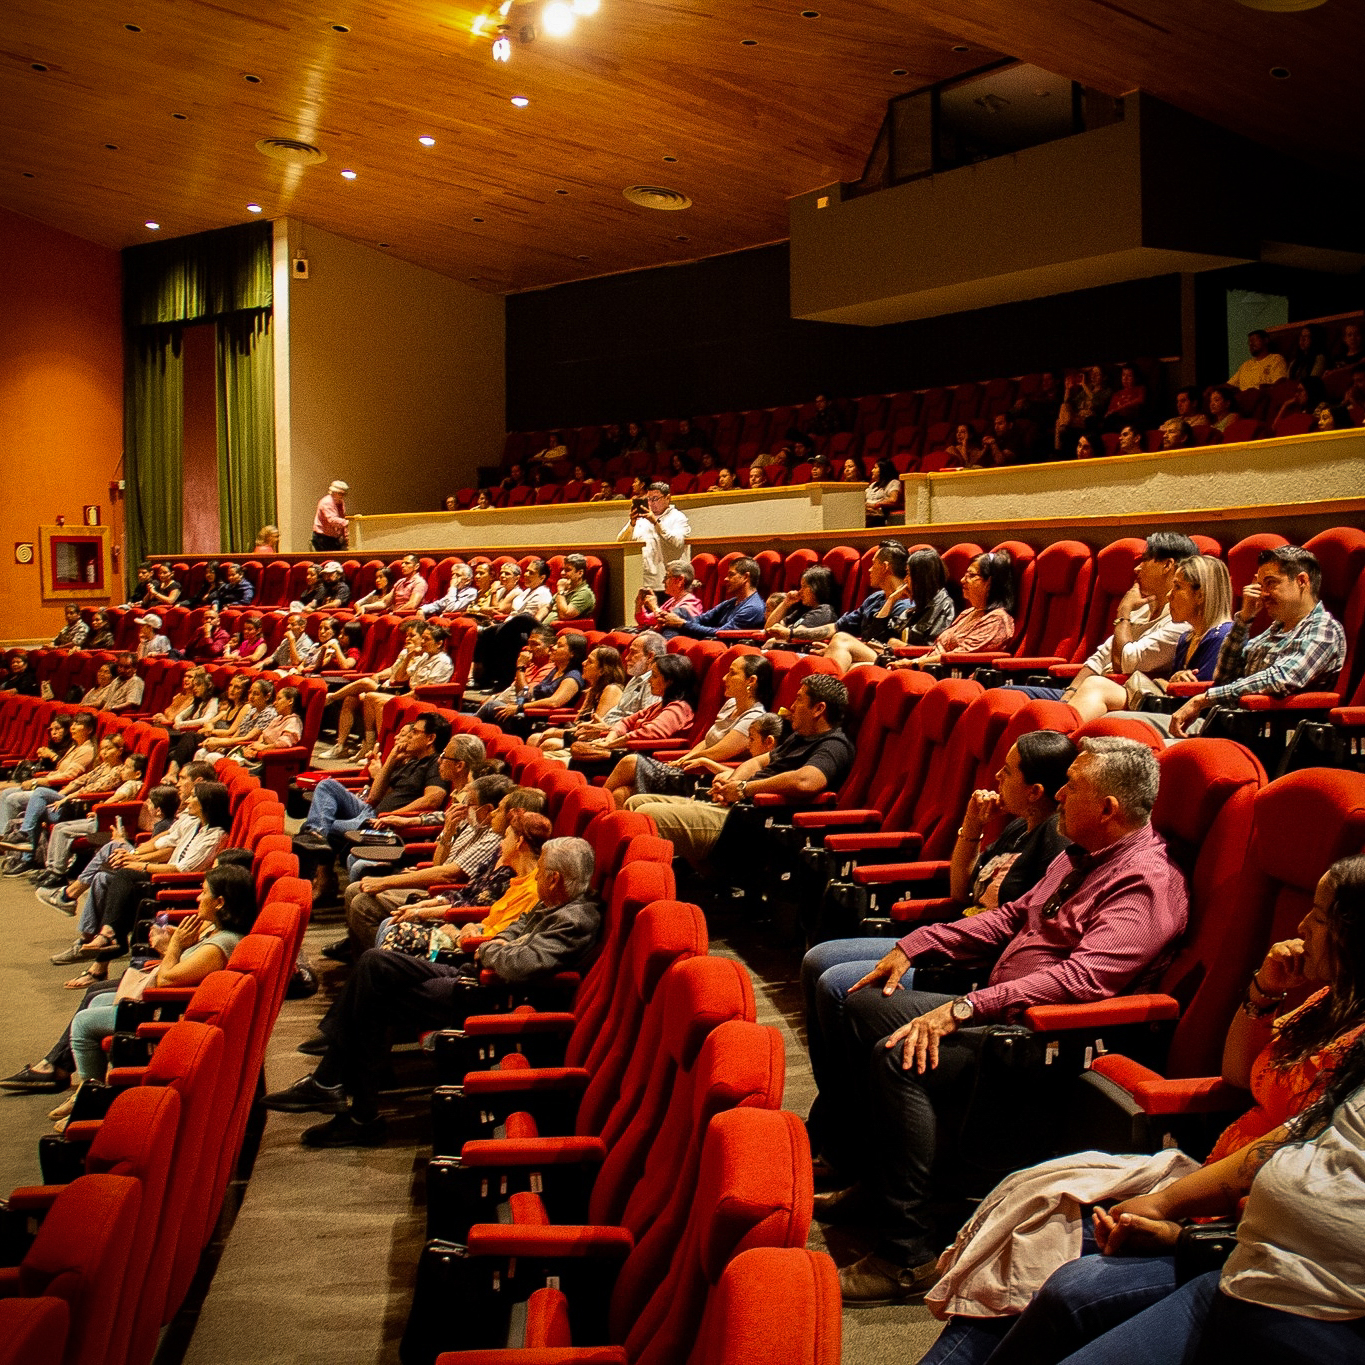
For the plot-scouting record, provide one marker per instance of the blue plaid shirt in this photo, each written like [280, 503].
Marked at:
[1280, 662]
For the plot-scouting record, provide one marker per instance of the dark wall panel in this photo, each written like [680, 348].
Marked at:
[717, 336]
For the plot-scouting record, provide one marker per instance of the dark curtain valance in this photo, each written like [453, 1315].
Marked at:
[192, 279]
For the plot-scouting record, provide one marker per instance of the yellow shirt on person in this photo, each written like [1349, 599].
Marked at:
[520, 898]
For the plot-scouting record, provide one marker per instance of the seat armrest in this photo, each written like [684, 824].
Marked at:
[835, 819]
[483, 1153]
[34, 1199]
[1025, 664]
[576, 1241]
[929, 911]
[519, 1022]
[971, 658]
[1303, 701]
[554, 1078]
[907, 841]
[1191, 689]
[1158, 1095]
[1120, 1010]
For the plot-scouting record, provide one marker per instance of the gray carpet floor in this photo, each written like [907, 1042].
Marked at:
[318, 1265]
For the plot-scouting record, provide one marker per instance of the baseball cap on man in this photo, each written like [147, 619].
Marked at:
[151, 619]
[332, 566]
[339, 486]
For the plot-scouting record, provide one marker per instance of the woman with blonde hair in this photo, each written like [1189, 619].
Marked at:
[1201, 598]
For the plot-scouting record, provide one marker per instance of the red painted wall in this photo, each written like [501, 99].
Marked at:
[61, 402]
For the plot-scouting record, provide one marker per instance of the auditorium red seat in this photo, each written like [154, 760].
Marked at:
[753, 1189]
[778, 1305]
[1061, 595]
[33, 1329]
[1301, 824]
[81, 1255]
[1114, 568]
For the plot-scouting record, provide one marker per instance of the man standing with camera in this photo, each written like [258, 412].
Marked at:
[662, 531]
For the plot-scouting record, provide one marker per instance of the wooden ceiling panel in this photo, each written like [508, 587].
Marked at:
[638, 81]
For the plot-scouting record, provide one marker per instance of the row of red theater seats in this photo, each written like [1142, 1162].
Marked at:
[278, 581]
[925, 417]
[135, 1185]
[1254, 852]
[24, 720]
[713, 1141]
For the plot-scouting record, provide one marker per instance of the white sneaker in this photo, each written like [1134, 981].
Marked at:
[332, 755]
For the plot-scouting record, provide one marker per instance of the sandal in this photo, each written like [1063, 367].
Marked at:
[89, 977]
[63, 1110]
[97, 945]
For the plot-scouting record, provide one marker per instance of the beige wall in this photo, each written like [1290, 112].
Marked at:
[395, 381]
[779, 511]
[1325, 467]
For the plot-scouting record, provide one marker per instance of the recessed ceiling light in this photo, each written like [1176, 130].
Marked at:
[181, 117]
[348, 175]
[252, 80]
[899, 71]
[580, 258]
[28, 175]
[478, 220]
[133, 28]
[385, 244]
[38, 66]
[670, 158]
[520, 101]
[810, 13]
[111, 146]
[427, 141]
[961, 47]
[474, 279]
[155, 227]
[561, 191]
[748, 42]
[1281, 73]
[253, 208]
[681, 238]
[341, 28]
[557, 19]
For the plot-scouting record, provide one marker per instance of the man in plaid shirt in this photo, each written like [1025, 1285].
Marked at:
[1304, 645]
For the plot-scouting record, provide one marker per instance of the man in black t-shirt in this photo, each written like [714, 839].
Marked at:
[408, 782]
[815, 757]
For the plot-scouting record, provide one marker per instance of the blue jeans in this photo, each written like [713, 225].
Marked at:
[1080, 1301]
[336, 808]
[827, 972]
[39, 799]
[1037, 693]
[90, 1027]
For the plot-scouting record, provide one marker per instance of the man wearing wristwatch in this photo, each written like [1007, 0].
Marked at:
[1104, 919]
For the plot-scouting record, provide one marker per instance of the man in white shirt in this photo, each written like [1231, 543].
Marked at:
[460, 595]
[662, 531]
[1264, 366]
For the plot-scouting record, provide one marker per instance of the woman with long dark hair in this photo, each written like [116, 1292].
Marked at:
[986, 623]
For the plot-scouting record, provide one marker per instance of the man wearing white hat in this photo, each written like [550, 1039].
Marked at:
[329, 524]
[151, 642]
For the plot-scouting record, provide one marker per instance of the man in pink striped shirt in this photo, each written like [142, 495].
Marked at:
[1104, 919]
[329, 520]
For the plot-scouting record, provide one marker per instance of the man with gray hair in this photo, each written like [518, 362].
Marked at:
[1104, 919]
[459, 595]
[644, 649]
[390, 990]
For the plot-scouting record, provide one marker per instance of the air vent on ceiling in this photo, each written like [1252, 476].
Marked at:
[656, 197]
[291, 151]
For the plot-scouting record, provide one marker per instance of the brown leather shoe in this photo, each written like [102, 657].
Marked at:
[853, 1205]
[875, 1281]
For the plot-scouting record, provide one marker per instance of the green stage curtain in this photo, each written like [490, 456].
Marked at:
[224, 276]
[153, 444]
[246, 428]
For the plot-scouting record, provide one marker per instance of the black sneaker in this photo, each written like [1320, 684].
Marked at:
[316, 1046]
[340, 951]
[344, 1131]
[310, 838]
[18, 866]
[306, 1096]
